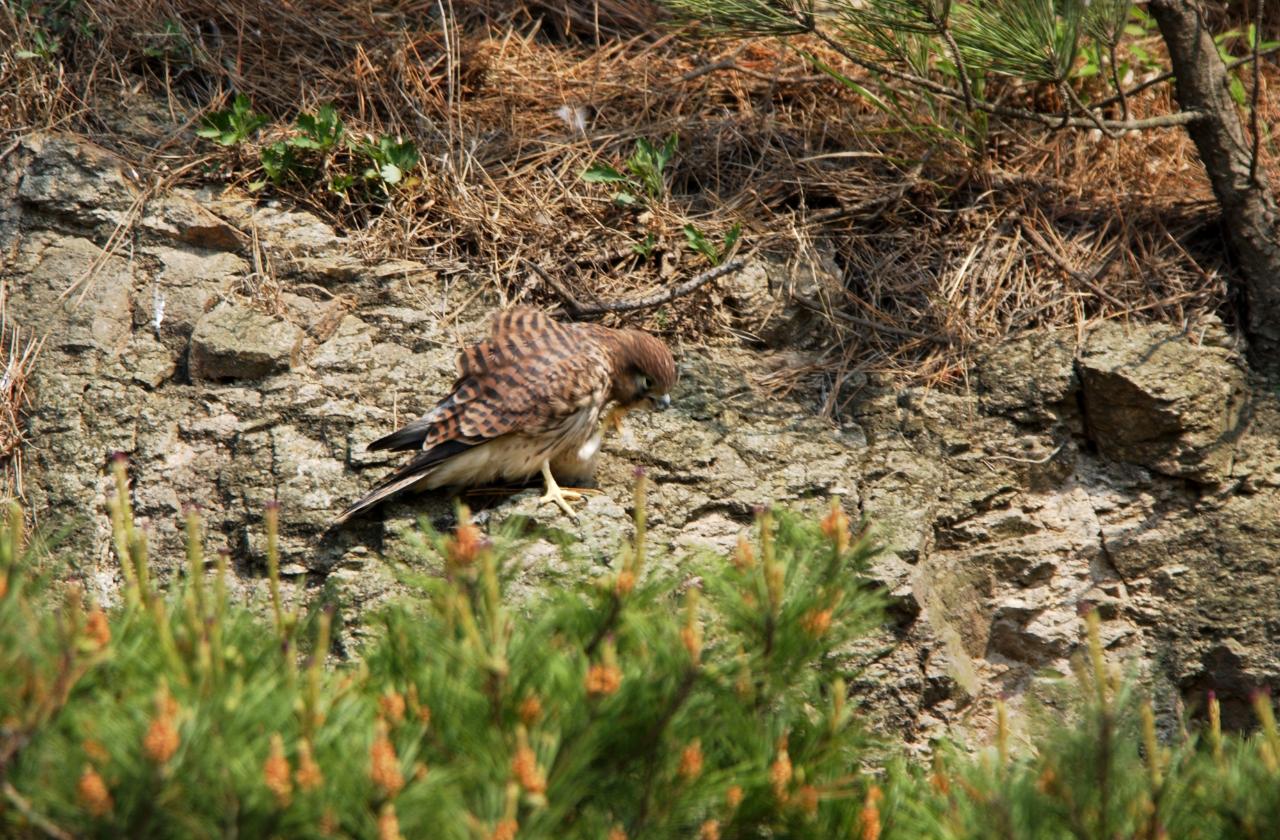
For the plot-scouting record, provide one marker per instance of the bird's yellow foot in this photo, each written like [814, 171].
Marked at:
[614, 418]
[555, 494]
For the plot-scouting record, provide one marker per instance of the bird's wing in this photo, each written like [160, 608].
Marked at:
[514, 333]
[530, 370]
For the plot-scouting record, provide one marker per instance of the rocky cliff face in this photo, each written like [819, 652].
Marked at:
[239, 354]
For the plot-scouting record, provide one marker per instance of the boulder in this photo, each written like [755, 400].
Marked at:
[235, 342]
[1167, 402]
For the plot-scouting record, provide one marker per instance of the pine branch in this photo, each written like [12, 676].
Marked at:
[1054, 121]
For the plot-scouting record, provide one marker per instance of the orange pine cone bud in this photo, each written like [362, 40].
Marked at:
[733, 797]
[96, 628]
[710, 830]
[392, 705]
[388, 823]
[465, 545]
[870, 818]
[691, 761]
[625, 583]
[691, 637]
[530, 710]
[275, 772]
[835, 527]
[816, 622]
[807, 799]
[617, 833]
[384, 767]
[505, 830]
[92, 793]
[161, 740]
[744, 557]
[780, 771]
[308, 775]
[603, 680]
[524, 766]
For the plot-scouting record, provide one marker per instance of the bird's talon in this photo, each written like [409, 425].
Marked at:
[558, 495]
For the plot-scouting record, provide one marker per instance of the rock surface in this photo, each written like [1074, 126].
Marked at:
[1137, 471]
[235, 342]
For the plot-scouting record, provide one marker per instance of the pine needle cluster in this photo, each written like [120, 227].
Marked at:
[706, 705]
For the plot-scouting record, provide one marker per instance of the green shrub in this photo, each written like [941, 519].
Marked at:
[643, 705]
[619, 709]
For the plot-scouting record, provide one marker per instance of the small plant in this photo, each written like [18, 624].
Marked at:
[391, 158]
[644, 248]
[234, 126]
[169, 44]
[278, 162]
[321, 131]
[714, 253]
[645, 176]
[44, 46]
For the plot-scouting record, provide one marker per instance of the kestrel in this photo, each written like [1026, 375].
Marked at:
[528, 399]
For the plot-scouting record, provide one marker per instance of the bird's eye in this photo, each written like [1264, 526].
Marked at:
[642, 382]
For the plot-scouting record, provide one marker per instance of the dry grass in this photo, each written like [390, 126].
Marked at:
[19, 354]
[939, 253]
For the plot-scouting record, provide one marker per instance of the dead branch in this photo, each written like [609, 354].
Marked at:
[578, 309]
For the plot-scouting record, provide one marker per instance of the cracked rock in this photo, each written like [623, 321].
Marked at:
[235, 342]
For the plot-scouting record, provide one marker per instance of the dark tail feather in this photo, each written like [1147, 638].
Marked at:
[399, 481]
[401, 439]
[405, 477]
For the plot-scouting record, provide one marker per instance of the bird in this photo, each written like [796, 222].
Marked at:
[528, 399]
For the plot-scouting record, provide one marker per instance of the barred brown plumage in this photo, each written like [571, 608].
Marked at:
[528, 399]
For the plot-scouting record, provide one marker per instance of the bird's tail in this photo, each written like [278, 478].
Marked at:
[402, 479]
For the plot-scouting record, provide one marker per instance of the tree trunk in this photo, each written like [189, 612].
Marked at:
[1249, 210]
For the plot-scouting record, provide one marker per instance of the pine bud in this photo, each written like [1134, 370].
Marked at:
[744, 559]
[870, 818]
[780, 771]
[92, 793]
[691, 761]
[530, 710]
[96, 628]
[161, 740]
[392, 705]
[308, 775]
[524, 766]
[835, 526]
[275, 772]
[505, 830]
[384, 767]
[710, 830]
[388, 823]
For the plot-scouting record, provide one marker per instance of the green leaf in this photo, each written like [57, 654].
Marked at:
[626, 199]
[390, 173]
[731, 238]
[1238, 93]
[602, 173]
[698, 242]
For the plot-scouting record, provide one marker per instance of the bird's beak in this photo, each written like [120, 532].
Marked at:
[663, 402]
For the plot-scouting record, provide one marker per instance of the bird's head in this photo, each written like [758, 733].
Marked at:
[647, 374]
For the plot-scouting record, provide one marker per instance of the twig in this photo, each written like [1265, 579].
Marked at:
[1043, 460]
[1253, 104]
[585, 310]
[1097, 120]
[1115, 79]
[961, 71]
[722, 64]
[1169, 74]
[40, 821]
